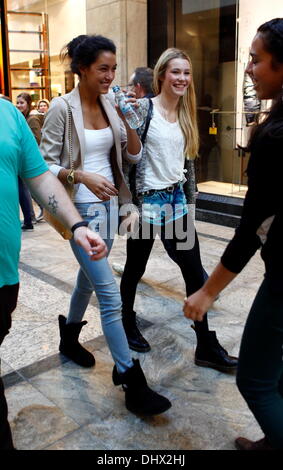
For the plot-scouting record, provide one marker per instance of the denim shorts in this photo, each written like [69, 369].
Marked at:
[162, 207]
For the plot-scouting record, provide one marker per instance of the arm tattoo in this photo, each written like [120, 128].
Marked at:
[53, 203]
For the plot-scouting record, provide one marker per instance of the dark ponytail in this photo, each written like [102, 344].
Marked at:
[272, 36]
[85, 49]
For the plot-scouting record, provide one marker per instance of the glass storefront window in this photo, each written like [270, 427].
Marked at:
[217, 35]
[4, 74]
[2, 84]
[29, 54]
[251, 14]
[206, 29]
[37, 31]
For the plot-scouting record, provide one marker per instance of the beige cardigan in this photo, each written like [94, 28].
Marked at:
[54, 144]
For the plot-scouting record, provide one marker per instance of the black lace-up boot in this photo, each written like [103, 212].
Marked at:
[139, 398]
[210, 353]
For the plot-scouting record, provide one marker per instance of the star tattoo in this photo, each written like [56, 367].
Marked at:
[53, 203]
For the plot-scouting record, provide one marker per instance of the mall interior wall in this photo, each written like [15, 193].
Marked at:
[125, 22]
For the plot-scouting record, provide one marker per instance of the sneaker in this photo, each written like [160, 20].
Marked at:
[118, 268]
[210, 353]
[40, 217]
[27, 228]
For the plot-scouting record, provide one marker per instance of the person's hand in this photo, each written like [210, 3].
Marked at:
[197, 305]
[99, 185]
[91, 242]
[130, 224]
[130, 97]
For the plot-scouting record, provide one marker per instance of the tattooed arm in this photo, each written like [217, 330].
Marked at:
[51, 194]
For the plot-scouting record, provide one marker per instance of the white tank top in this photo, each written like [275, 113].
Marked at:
[98, 144]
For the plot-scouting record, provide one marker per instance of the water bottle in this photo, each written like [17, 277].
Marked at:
[127, 109]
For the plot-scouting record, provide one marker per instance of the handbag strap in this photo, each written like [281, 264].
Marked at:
[70, 140]
[147, 122]
[133, 170]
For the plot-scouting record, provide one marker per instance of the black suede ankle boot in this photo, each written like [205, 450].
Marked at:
[210, 353]
[69, 344]
[135, 339]
[139, 398]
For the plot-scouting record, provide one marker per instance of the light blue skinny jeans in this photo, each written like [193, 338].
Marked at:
[97, 276]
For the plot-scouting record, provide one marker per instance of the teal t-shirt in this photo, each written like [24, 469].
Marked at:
[19, 156]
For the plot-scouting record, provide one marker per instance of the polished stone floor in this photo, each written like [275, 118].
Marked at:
[54, 404]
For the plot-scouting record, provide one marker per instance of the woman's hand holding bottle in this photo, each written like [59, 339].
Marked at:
[126, 106]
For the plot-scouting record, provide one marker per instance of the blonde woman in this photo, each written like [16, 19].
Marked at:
[171, 143]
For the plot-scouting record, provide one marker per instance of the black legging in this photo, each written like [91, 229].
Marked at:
[188, 260]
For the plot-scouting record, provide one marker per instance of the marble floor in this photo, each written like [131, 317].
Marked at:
[56, 405]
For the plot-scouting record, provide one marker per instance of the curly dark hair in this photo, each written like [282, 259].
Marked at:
[84, 50]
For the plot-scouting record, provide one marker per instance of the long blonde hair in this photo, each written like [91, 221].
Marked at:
[187, 109]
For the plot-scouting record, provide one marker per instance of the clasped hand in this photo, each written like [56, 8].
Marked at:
[100, 186]
[91, 242]
[197, 304]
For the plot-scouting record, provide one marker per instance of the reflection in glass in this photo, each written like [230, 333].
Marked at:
[38, 29]
[29, 53]
[206, 29]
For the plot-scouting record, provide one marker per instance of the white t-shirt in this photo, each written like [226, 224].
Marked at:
[165, 153]
[98, 143]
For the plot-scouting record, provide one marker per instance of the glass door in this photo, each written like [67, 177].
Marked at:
[38, 30]
[207, 30]
[2, 81]
[4, 61]
[29, 54]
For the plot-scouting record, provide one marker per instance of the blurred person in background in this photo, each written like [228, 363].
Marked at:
[43, 106]
[35, 122]
[141, 82]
